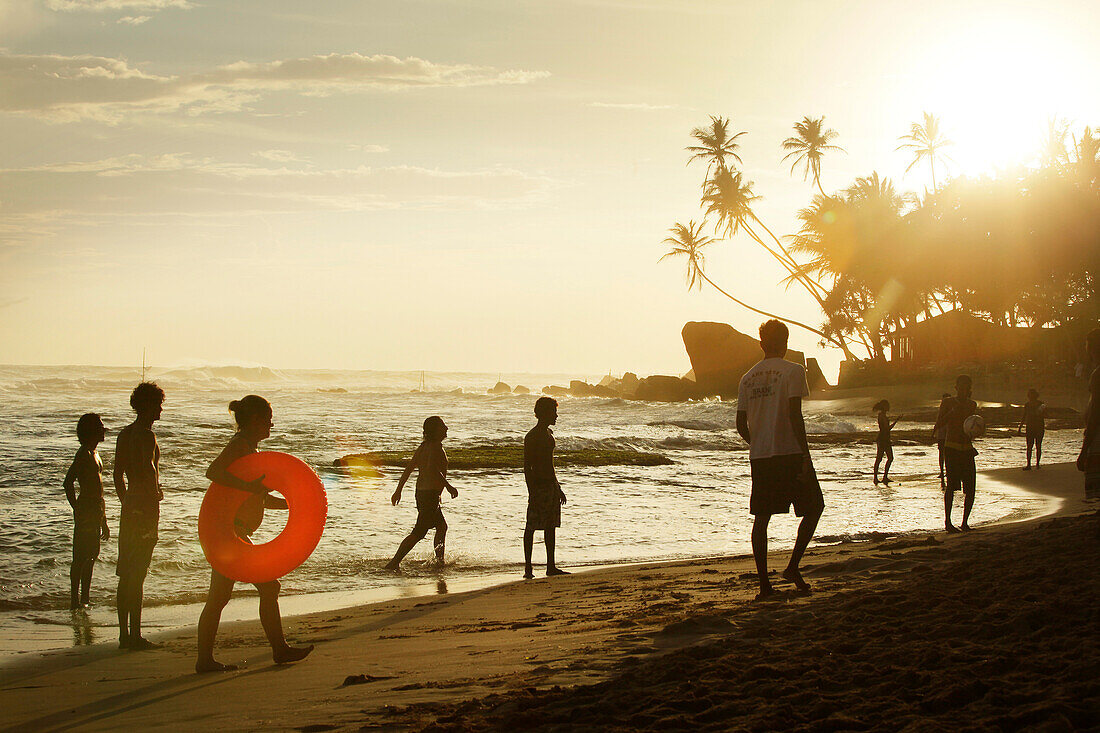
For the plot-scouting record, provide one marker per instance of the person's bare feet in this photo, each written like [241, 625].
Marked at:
[291, 654]
[1026, 468]
[885, 481]
[951, 528]
[123, 642]
[555, 571]
[141, 644]
[528, 573]
[792, 575]
[392, 566]
[209, 665]
[964, 527]
[765, 593]
[876, 480]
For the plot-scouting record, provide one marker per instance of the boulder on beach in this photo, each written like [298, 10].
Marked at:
[720, 355]
[520, 389]
[663, 388]
[500, 388]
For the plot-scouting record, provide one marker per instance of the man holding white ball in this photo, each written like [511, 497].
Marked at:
[958, 449]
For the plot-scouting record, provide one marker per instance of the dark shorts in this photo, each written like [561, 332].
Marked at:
[1034, 435]
[778, 483]
[960, 470]
[428, 511]
[86, 532]
[137, 536]
[543, 507]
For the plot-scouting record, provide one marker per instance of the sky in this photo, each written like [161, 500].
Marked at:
[460, 186]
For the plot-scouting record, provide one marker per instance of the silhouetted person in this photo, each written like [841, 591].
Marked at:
[769, 418]
[89, 512]
[137, 483]
[882, 441]
[254, 421]
[431, 460]
[1089, 459]
[938, 433]
[958, 451]
[544, 495]
[1034, 427]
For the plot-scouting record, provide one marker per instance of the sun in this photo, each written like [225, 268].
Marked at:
[995, 87]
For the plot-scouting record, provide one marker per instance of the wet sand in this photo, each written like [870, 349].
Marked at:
[995, 629]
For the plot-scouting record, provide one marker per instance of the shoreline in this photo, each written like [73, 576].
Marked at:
[419, 639]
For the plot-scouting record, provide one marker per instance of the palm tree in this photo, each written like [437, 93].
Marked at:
[687, 240]
[715, 144]
[808, 146]
[1054, 153]
[926, 140]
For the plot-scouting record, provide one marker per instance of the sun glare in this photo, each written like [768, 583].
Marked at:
[995, 88]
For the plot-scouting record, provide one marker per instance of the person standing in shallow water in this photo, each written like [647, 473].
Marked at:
[884, 447]
[1034, 427]
[431, 460]
[89, 512]
[1088, 460]
[137, 483]
[769, 418]
[544, 495]
[254, 421]
[958, 451]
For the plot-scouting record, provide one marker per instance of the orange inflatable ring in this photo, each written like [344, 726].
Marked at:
[235, 558]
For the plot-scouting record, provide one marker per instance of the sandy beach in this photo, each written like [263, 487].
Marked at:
[992, 630]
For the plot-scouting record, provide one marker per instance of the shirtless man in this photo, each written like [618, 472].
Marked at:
[1089, 459]
[137, 483]
[544, 495]
[769, 418]
[958, 451]
[89, 514]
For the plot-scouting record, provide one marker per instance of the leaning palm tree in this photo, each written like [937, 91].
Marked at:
[808, 146]
[926, 140]
[1054, 151]
[688, 240]
[715, 144]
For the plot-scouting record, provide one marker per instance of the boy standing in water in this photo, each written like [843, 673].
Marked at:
[137, 482]
[769, 418]
[1034, 427]
[89, 512]
[544, 495]
[958, 451]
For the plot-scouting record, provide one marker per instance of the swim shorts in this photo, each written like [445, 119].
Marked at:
[779, 482]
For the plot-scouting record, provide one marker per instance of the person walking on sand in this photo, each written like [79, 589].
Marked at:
[769, 418]
[253, 416]
[89, 512]
[1089, 459]
[137, 483]
[884, 447]
[1033, 425]
[544, 495]
[431, 460]
[958, 451]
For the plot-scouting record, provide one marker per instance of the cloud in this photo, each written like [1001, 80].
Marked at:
[69, 88]
[102, 6]
[133, 19]
[368, 148]
[632, 105]
[278, 156]
[184, 185]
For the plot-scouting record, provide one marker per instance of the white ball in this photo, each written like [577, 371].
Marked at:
[974, 426]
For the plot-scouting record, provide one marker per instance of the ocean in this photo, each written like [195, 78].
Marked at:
[696, 507]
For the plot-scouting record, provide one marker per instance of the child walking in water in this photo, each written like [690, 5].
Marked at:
[1033, 426]
[431, 459]
[89, 512]
[254, 420]
[883, 441]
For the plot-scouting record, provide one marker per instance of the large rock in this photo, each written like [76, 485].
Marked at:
[814, 376]
[520, 389]
[662, 388]
[720, 355]
[629, 384]
[500, 388]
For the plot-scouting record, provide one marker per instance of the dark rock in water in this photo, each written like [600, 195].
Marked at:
[629, 384]
[663, 388]
[555, 391]
[814, 377]
[500, 388]
[601, 390]
[577, 388]
[456, 390]
[720, 355]
[608, 381]
[520, 389]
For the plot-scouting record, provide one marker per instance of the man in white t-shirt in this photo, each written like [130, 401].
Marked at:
[769, 418]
